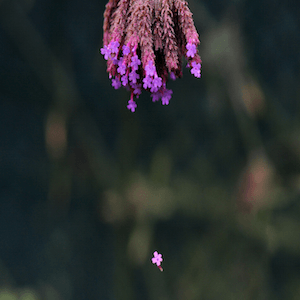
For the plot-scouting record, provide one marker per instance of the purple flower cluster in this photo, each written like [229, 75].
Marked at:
[127, 68]
[143, 48]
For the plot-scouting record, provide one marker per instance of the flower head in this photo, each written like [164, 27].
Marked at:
[157, 258]
[106, 52]
[156, 96]
[116, 83]
[144, 43]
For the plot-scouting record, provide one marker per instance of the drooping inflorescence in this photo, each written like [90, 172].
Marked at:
[144, 42]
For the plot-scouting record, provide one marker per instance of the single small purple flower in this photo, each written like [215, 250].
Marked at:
[150, 68]
[147, 82]
[115, 61]
[124, 80]
[106, 52]
[126, 50]
[156, 96]
[167, 95]
[135, 62]
[131, 105]
[137, 89]
[156, 84]
[122, 68]
[196, 69]
[157, 259]
[172, 76]
[116, 83]
[114, 46]
[133, 76]
[192, 50]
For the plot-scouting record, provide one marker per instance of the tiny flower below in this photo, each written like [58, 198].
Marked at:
[157, 259]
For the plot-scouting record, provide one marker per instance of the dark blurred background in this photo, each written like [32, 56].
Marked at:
[89, 190]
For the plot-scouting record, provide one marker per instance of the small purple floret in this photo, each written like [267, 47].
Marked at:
[137, 89]
[116, 83]
[147, 82]
[156, 84]
[126, 50]
[133, 76]
[192, 50]
[115, 61]
[121, 69]
[167, 94]
[150, 68]
[157, 258]
[156, 96]
[196, 69]
[106, 52]
[131, 105]
[124, 80]
[172, 76]
[135, 62]
[114, 46]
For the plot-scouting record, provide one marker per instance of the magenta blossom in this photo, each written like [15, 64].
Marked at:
[144, 43]
[157, 259]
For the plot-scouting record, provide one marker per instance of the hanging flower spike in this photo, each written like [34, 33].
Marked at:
[157, 259]
[144, 42]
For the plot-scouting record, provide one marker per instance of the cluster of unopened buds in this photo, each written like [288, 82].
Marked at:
[144, 42]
